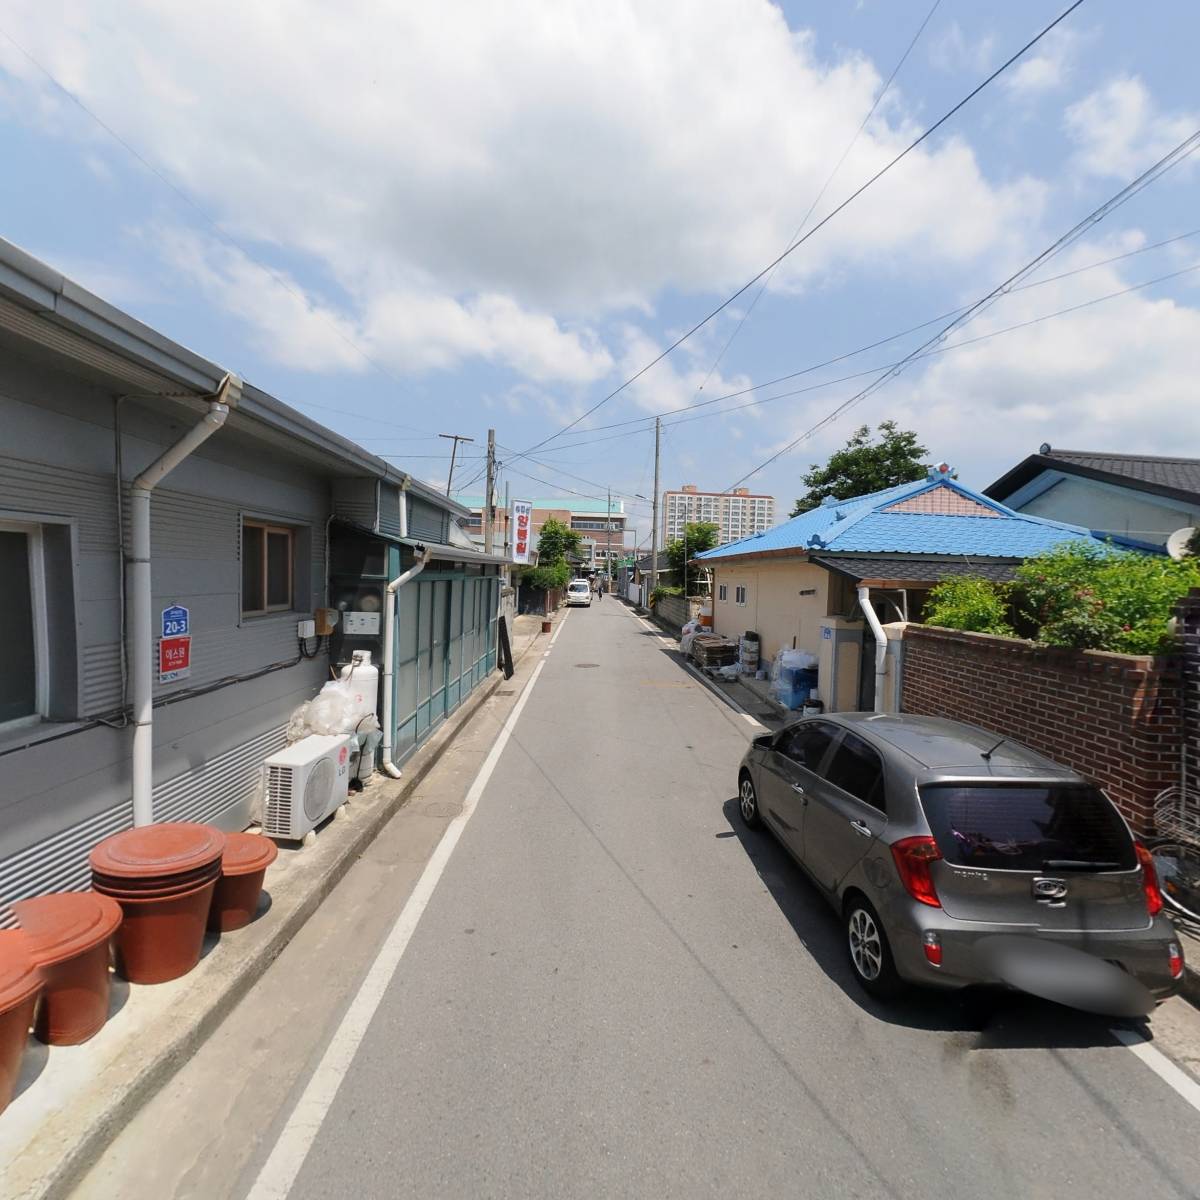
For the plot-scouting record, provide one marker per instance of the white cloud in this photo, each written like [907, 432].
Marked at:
[479, 166]
[1119, 129]
[952, 50]
[407, 330]
[1047, 68]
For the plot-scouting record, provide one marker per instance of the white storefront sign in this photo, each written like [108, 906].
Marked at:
[522, 530]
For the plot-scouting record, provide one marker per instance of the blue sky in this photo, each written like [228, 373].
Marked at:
[407, 220]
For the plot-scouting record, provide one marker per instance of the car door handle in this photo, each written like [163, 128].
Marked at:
[800, 792]
[861, 828]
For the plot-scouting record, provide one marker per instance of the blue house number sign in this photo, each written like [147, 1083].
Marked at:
[176, 621]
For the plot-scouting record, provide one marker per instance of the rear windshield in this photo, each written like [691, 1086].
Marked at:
[1027, 828]
[579, 587]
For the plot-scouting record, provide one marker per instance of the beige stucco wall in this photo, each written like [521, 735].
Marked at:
[776, 607]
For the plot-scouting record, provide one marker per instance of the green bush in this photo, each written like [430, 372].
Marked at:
[973, 604]
[661, 591]
[548, 576]
[1097, 598]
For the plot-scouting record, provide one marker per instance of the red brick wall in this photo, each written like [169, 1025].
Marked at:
[1113, 717]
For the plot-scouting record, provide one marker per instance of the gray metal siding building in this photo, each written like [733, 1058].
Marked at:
[89, 397]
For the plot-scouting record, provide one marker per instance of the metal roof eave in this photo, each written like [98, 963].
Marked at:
[450, 553]
[48, 296]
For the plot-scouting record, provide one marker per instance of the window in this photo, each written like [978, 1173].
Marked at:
[268, 557]
[807, 743]
[1023, 827]
[723, 592]
[858, 769]
[739, 595]
[23, 650]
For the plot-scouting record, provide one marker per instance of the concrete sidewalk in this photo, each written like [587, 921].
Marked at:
[72, 1101]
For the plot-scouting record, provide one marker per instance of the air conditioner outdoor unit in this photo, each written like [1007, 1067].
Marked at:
[305, 784]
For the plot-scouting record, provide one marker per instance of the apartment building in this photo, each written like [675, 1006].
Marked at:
[736, 514]
[587, 517]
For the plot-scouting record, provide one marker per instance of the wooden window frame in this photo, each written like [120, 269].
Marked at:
[268, 528]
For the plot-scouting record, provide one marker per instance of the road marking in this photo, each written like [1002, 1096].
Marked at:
[1173, 1076]
[560, 626]
[283, 1165]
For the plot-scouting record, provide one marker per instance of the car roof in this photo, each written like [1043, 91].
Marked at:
[939, 744]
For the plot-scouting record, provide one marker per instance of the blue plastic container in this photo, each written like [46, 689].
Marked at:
[795, 685]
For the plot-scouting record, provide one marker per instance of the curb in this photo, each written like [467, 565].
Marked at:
[74, 1150]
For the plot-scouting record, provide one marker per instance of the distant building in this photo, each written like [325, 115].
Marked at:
[737, 514]
[586, 517]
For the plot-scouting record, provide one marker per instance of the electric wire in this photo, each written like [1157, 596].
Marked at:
[1170, 160]
[924, 136]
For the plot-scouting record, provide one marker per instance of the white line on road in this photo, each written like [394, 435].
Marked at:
[1173, 1076]
[279, 1172]
[560, 626]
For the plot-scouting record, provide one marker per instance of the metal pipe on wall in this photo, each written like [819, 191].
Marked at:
[864, 602]
[389, 654]
[139, 589]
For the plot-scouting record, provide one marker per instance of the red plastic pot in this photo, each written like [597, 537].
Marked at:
[158, 851]
[243, 869]
[20, 983]
[161, 937]
[70, 938]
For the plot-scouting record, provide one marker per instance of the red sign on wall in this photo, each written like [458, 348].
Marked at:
[174, 658]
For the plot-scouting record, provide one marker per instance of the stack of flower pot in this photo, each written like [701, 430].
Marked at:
[20, 983]
[163, 877]
[243, 869]
[70, 936]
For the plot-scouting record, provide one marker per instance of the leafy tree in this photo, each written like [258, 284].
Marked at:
[546, 576]
[1192, 549]
[863, 466]
[556, 541]
[698, 537]
[969, 603]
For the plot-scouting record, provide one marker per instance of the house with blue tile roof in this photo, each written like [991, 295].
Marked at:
[827, 580]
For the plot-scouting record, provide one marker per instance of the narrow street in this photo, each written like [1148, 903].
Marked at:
[615, 990]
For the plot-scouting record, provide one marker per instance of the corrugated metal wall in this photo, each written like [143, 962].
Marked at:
[427, 521]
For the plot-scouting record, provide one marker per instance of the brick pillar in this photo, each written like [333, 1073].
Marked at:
[1189, 631]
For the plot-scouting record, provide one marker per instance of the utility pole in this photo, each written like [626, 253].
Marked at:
[608, 539]
[654, 526]
[507, 510]
[489, 499]
[455, 438]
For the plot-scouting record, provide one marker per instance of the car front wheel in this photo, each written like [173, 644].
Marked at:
[870, 954]
[748, 803]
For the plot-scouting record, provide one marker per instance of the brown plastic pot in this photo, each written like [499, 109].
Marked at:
[547, 626]
[70, 938]
[20, 983]
[169, 885]
[161, 937]
[158, 851]
[243, 869]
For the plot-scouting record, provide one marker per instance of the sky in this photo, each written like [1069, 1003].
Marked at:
[414, 219]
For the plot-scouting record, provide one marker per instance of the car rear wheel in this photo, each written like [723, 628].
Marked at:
[870, 954]
[748, 803]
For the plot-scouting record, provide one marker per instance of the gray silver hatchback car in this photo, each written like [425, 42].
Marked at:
[955, 857]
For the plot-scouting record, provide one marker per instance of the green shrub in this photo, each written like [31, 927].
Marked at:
[1099, 598]
[973, 604]
[548, 575]
[661, 591]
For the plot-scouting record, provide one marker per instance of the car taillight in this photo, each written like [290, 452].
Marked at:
[1175, 960]
[913, 856]
[1153, 894]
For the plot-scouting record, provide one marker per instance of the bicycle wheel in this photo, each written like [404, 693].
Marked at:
[1178, 867]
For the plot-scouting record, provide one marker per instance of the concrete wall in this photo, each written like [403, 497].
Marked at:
[1111, 509]
[785, 601]
[65, 784]
[1112, 717]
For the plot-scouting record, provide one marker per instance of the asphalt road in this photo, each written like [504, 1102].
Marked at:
[616, 991]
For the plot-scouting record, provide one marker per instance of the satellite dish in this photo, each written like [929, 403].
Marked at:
[1177, 543]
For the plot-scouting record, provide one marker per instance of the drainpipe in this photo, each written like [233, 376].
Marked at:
[139, 593]
[389, 641]
[881, 645]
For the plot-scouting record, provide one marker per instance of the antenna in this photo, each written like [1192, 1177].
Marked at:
[987, 754]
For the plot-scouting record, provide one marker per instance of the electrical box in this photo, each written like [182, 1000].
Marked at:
[306, 629]
[326, 619]
[360, 624]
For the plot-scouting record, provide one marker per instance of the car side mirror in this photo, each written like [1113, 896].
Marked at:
[766, 741]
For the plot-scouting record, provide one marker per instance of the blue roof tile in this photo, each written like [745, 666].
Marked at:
[858, 525]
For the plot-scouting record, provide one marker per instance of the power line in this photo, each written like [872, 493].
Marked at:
[643, 421]
[820, 224]
[1147, 177]
[820, 194]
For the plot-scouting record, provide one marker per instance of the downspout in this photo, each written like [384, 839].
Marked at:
[389, 642]
[139, 593]
[881, 645]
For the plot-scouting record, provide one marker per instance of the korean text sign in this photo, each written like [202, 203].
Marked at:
[522, 530]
